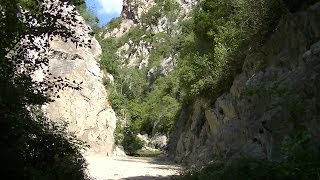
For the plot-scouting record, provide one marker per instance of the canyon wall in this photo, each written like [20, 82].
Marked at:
[277, 90]
[87, 111]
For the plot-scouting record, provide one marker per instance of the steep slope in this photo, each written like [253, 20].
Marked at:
[142, 25]
[272, 102]
[86, 110]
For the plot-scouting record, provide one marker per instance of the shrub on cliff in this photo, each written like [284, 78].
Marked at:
[223, 32]
[131, 143]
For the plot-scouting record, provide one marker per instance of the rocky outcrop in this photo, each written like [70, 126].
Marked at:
[187, 5]
[277, 88]
[135, 54]
[155, 143]
[134, 9]
[136, 51]
[124, 26]
[130, 17]
[87, 110]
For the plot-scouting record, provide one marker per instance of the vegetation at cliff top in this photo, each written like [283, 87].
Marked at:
[32, 146]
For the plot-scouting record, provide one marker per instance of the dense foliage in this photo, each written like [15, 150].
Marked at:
[217, 40]
[222, 33]
[208, 49]
[32, 146]
[143, 104]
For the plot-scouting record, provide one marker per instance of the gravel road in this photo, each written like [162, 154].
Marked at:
[101, 167]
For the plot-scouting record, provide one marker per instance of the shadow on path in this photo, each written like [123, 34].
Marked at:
[101, 167]
[151, 160]
[149, 177]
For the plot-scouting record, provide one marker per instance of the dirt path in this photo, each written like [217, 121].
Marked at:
[129, 168]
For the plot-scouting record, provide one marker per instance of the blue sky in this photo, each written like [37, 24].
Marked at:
[105, 10]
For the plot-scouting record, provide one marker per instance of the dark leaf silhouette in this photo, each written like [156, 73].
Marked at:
[32, 146]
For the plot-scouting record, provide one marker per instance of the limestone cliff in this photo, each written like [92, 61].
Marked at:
[277, 88]
[86, 110]
[133, 13]
[152, 17]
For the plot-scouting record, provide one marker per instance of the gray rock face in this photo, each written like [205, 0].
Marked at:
[137, 53]
[158, 141]
[87, 110]
[124, 27]
[130, 16]
[258, 112]
[134, 9]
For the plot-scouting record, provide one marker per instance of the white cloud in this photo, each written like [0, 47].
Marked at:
[110, 6]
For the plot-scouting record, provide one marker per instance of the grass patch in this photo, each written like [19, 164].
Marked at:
[148, 153]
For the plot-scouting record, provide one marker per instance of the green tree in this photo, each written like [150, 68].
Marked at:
[223, 32]
[89, 17]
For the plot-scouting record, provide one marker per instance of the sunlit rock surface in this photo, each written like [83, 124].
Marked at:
[87, 111]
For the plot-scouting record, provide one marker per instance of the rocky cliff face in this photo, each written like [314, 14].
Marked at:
[133, 9]
[277, 89]
[87, 110]
[133, 12]
[130, 16]
[151, 17]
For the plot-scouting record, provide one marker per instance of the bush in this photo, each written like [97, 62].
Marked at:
[33, 147]
[109, 59]
[152, 16]
[222, 34]
[131, 143]
[245, 169]
[118, 133]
